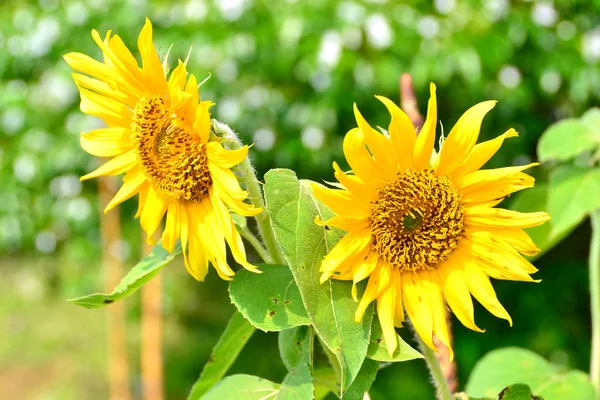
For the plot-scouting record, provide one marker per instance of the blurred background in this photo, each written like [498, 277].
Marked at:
[284, 75]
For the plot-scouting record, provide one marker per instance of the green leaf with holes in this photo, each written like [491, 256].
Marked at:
[504, 367]
[270, 300]
[137, 277]
[329, 306]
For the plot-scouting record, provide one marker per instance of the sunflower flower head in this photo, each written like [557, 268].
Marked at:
[158, 135]
[421, 225]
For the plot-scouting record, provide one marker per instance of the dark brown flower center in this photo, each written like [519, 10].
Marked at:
[173, 158]
[417, 220]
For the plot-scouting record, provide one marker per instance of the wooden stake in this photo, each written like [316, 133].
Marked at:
[151, 331]
[118, 373]
[408, 102]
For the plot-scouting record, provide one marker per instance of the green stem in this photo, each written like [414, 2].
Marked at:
[443, 392]
[248, 178]
[595, 299]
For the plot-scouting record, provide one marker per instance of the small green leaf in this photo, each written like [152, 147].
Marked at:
[330, 306]
[567, 139]
[291, 342]
[243, 387]
[298, 383]
[574, 192]
[518, 391]
[230, 344]
[271, 300]
[364, 380]
[504, 367]
[139, 275]
[378, 350]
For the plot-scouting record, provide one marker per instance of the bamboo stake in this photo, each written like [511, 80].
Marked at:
[118, 373]
[408, 102]
[151, 331]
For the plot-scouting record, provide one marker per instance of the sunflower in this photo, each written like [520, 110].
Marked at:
[158, 135]
[421, 225]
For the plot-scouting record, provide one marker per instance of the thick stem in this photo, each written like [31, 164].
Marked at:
[248, 178]
[595, 299]
[437, 375]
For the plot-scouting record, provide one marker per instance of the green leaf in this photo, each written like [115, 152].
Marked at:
[574, 192]
[591, 118]
[298, 383]
[501, 368]
[291, 342]
[329, 306]
[139, 275]
[271, 300]
[378, 351]
[567, 139]
[518, 391]
[533, 200]
[363, 381]
[230, 344]
[242, 387]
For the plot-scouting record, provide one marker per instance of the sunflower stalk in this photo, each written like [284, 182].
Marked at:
[435, 369]
[595, 299]
[247, 177]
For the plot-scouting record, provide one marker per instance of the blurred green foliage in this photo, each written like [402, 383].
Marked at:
[284, 75]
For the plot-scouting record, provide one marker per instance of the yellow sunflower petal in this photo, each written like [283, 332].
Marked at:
[354, 185]
[402, 134]
[515, 237]
[343, 223]
[426, 138]
[115, 166]
[480, 287]
[489, 185]
[172, 227]
[359, 159]
[500, 217]
[379, 146]
[497, 258]
[462, 138]
[197, 258]
[364, 270]
[378, 282]
[456, 291]
[417, 294]
[349, 245]
[132, 76]
[225, 158]
[438, 309]
[152, 67]
[385, 311]
[482, 153]
[232, 236]
[399, 310]
[132, 182]
[106, 142]
[152, 213]
[202, 121]
[341, 202]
